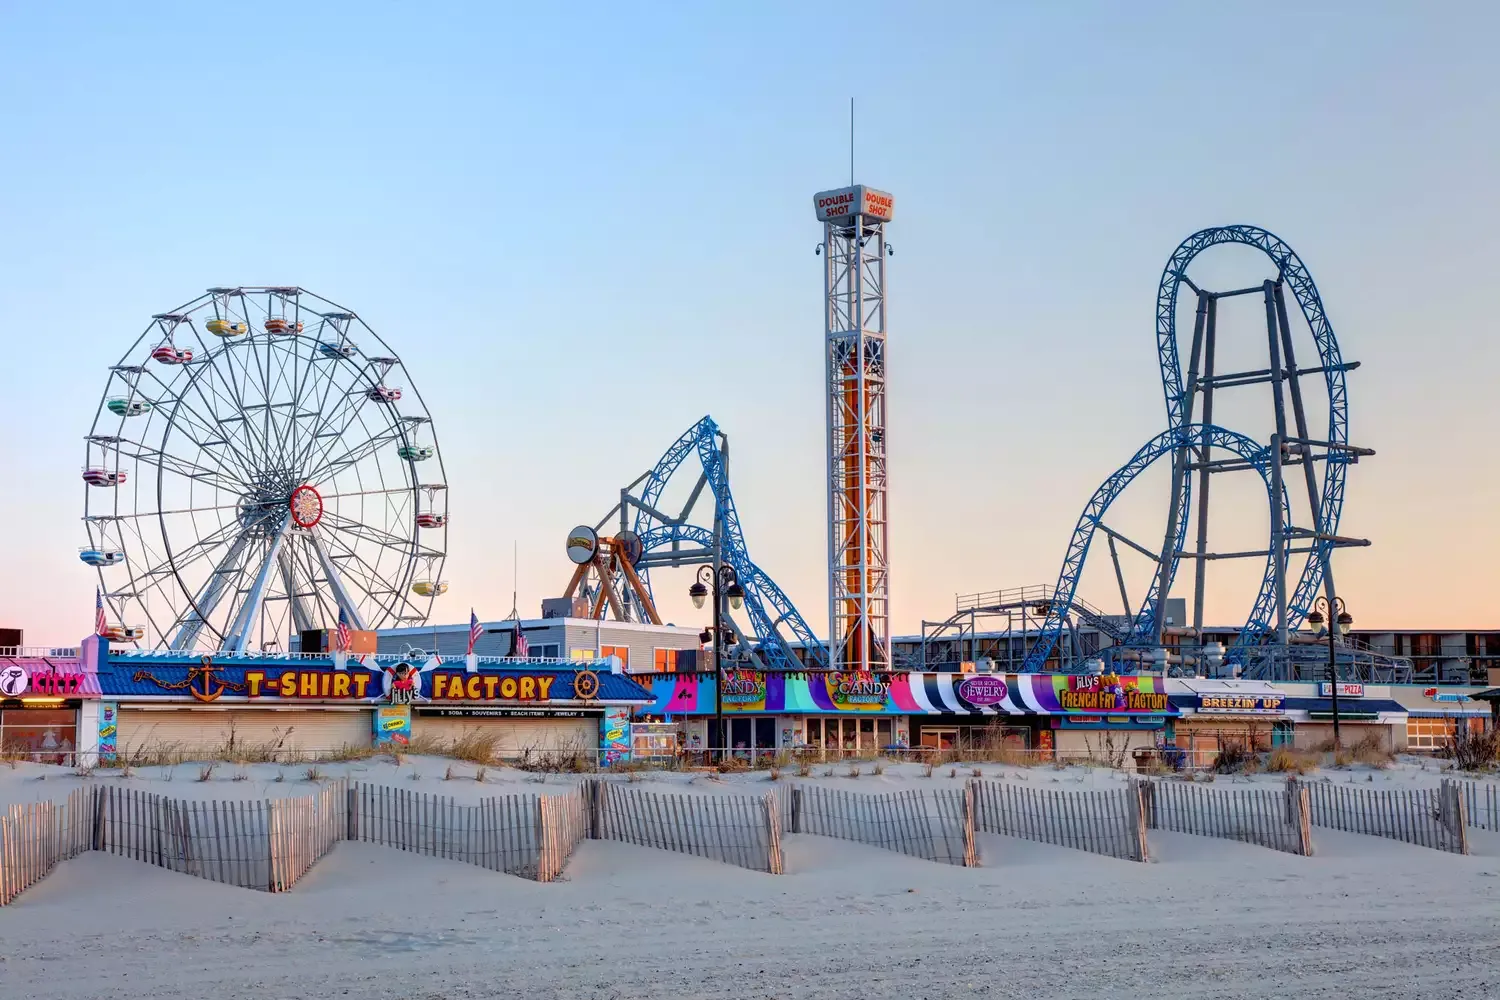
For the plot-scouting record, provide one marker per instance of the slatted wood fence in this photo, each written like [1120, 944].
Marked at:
[564, 823]
[303, 831]
[1268, 817]
[502, 833]
[742, 830]
[1101, 822]
[1428, 817]
[36, 837]
[253, 844]
[935, 824]
[1483, 802]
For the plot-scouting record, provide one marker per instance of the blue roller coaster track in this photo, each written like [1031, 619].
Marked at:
[777, 628]
[1140, 628]
[1183, 434]
[1292, 272]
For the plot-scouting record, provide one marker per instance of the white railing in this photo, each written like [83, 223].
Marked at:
[40, 652]
[219, 655]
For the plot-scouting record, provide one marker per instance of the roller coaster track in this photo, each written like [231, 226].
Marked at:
[777, 628]
[1182, 434]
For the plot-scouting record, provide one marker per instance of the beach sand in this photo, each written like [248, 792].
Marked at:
[1365, 918]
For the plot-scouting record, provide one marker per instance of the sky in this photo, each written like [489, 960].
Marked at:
[585, 226]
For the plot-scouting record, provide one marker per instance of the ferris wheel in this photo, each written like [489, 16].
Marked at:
[261, 464]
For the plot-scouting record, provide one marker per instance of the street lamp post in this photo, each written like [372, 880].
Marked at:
[724, 584]
[1338, 622]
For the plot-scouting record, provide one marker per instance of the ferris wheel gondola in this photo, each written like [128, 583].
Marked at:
[247, 490]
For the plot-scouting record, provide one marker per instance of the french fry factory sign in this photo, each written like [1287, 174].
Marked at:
[363, 685]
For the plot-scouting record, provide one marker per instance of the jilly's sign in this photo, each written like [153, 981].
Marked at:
[1109, 693]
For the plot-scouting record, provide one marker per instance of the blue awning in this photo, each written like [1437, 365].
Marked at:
[1349, 708]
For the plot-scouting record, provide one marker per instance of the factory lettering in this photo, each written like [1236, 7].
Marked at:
[491, 687]
[1129, 700]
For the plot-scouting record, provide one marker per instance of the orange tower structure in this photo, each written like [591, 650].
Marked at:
[854, 251]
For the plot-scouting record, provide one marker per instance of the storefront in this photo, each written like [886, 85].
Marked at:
[769, 712]
[1367, 714]
[1073, 714]
[1215, 713]
[269, 707]
[1069, 715]
[47, 697]
[1435, 714]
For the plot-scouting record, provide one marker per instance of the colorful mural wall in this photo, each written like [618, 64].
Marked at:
[748, 691]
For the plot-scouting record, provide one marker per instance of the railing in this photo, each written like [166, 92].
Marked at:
[40, 652]
[1004, 598]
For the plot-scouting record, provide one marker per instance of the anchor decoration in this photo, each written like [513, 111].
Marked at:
[203, 684]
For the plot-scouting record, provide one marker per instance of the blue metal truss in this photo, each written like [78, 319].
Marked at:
[770, 612]
[1295, 274]
[1142, 623]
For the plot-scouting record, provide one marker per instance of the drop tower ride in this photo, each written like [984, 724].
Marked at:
[854, 251]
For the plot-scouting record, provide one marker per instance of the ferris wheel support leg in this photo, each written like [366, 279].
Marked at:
[301, 621]
[209, 597]
[249, 613]
[336, 583]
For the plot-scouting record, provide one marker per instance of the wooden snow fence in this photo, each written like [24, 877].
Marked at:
[741, 830]
[1111, 823]
[1482, 799]
[254, 844]
[303, 830]
[37, 836]
[1274, 818]
[1428, 817]
[532, 836]
[934, 824]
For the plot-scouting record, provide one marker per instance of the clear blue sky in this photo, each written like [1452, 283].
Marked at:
[585, 227]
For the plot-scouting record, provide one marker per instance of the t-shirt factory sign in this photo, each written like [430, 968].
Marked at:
[400, 683]
[364, 685]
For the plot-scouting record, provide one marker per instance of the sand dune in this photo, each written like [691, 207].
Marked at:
[1209, 919]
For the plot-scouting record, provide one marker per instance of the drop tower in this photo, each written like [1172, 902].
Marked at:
[854, 252]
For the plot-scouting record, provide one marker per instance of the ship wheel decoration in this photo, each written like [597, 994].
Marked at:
[586, 685]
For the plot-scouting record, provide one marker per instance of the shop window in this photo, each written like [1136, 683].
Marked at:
[623, 652]
[1427, 733]
[542, 650]
[41, 735]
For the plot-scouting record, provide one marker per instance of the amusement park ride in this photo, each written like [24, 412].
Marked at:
[253, 472]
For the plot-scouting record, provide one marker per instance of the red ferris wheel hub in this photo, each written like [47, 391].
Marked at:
[307, 506]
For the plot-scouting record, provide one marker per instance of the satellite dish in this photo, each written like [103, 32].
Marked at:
[583, 542]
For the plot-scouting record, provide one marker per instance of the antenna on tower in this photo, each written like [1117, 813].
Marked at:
[515, 608]
[851, 142]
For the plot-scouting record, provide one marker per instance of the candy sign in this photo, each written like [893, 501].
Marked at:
[983, 690]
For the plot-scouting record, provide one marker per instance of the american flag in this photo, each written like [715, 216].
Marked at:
[474, 629]
[520, 647]
[344, 643]
[101, 625]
